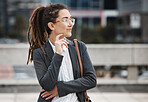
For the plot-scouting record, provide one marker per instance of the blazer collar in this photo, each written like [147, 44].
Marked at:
[49, 50]
[70, 42]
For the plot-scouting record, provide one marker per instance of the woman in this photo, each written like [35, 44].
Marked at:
[55, 58]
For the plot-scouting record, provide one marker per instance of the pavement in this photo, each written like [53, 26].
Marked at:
[22, 95]
[19, 84]
[95, 96]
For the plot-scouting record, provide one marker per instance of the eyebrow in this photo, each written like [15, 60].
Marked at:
[67, 17]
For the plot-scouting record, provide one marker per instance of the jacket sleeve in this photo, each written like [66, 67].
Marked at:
[81, 84]
[47, 76]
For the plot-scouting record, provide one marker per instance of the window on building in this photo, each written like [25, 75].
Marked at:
[110, 4]
[85, 3]
[95, 4]
[73, 4]
[96, 21]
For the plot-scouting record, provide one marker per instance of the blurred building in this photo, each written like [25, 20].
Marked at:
[100, 11]
[132, 25]
[3, 15]
[128, 15]
[9, 9]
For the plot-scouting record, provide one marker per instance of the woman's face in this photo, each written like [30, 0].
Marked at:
[63, 23]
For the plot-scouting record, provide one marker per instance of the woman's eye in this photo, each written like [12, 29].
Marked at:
[71, 20]
[65, 20]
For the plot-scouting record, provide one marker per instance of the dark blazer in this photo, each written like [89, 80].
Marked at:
[47, 70]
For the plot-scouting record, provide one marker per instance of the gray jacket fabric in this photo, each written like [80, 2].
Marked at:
[47, 70]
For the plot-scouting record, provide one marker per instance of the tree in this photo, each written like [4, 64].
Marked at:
[19, 29]
[99, 34]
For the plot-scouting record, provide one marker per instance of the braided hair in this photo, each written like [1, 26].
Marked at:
[38, 30]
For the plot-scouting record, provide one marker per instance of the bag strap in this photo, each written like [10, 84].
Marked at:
[79, 57]
[80, 62]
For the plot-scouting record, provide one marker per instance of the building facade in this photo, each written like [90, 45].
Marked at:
[130, 16]
[133, 16]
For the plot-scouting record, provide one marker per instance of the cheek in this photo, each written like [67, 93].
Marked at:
[62, 29]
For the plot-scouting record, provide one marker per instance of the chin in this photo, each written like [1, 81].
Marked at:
[68, 35]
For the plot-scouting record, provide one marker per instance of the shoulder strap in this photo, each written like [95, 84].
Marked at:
[81, 67]
[79, 57]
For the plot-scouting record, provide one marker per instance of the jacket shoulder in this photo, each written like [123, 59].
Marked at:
[81, 45]
[39, 50]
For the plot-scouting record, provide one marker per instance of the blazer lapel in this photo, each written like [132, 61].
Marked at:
[49, 51]
[73, 56]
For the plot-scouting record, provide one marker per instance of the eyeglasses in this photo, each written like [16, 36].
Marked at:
[66, 20]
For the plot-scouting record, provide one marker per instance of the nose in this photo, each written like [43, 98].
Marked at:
[70, 23]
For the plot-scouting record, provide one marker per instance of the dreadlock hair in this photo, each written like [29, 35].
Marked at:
[38, 30]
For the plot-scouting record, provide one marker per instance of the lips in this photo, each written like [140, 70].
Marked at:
[69, 29]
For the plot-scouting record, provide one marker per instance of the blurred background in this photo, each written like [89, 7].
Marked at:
[116, 35]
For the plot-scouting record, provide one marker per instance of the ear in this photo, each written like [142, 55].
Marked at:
[51, 25]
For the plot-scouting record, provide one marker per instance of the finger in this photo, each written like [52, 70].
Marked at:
[48, 94]
[64, 41]
[65, 45]
[58, 36]
[49, 97]
[42, 90]
[44, 93]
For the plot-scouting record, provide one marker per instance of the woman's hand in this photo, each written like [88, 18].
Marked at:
[50, 94]
[59, 44]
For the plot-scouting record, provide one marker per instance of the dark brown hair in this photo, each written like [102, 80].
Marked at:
[38, 30]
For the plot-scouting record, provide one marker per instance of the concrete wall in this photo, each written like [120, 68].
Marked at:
[13, 54]
[100, 54]
[119, 54]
